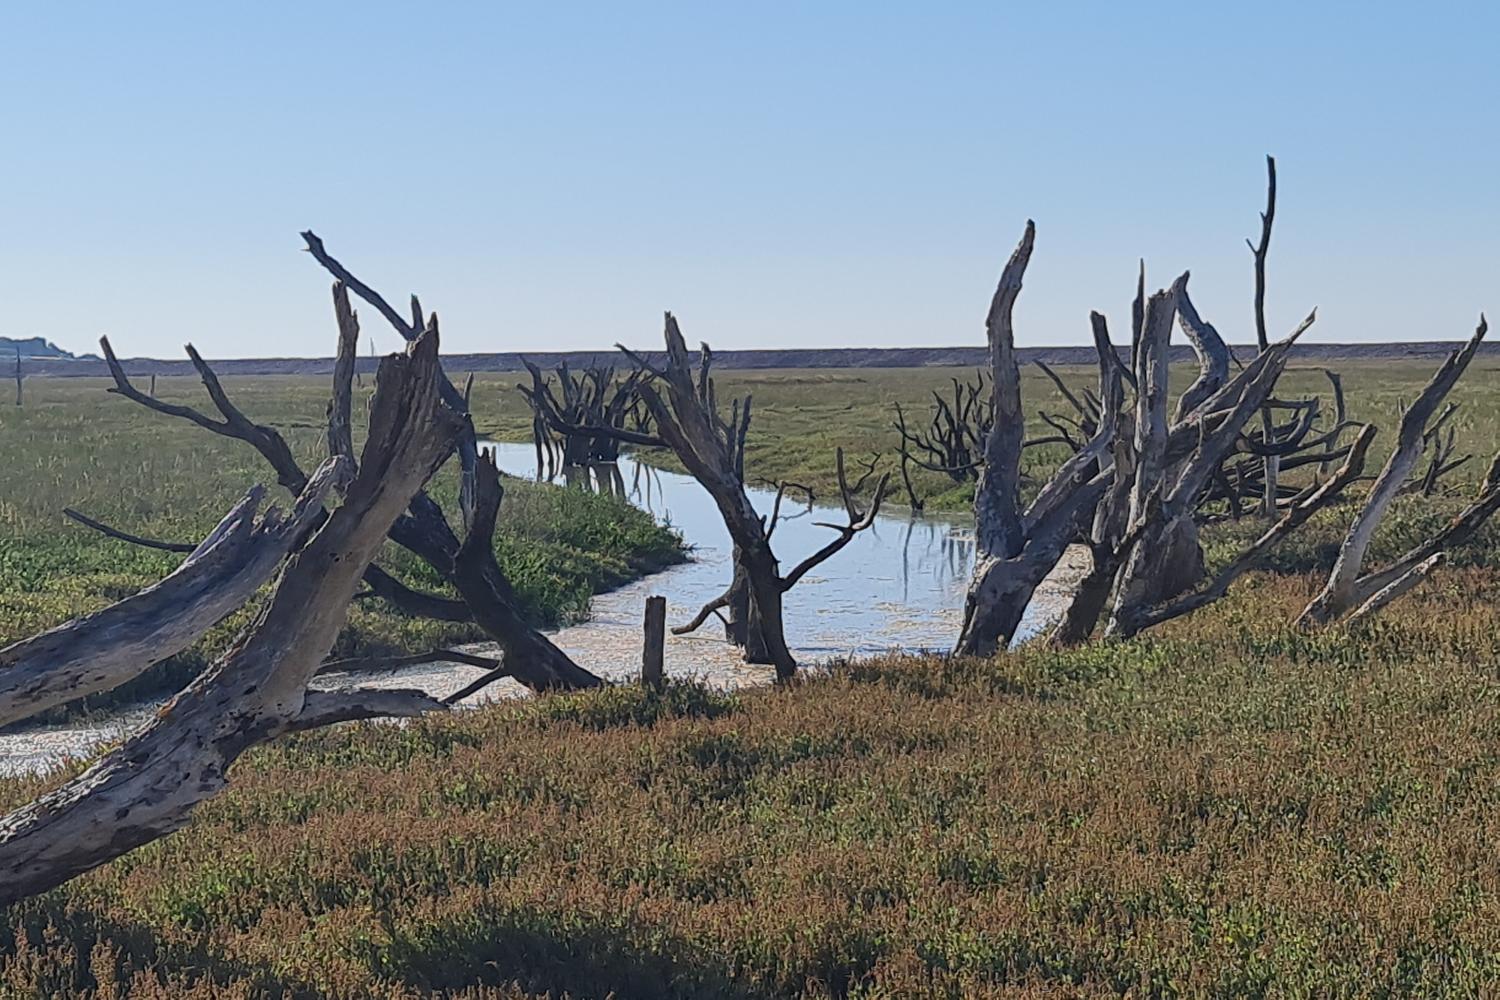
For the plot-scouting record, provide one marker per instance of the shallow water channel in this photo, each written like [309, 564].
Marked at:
[898, 586]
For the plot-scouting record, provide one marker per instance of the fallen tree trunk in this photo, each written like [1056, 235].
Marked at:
[101, 651]
[149, 786]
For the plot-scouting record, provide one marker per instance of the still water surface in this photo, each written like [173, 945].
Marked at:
[898, 586]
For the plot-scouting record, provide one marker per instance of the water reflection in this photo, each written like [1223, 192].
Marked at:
[898, 586]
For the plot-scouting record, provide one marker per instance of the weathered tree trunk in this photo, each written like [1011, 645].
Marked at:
[101, 651]
[713, 451]
[1181, 565]
[1295, 516]
[149, 786]
[424, 529]
[1174, 465]
[1087, 603]
[1015, 550]
[765, 635]
[1144, 566]
[530, 656]
[1346, 588]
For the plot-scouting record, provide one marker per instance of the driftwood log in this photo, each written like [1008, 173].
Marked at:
[149, 786]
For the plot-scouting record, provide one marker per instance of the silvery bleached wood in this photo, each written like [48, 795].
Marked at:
[1169, 502]
[1297, 515]
[1346, 588]
[1212, 353]
[258, 690]
[103, 650]
[1016, 549]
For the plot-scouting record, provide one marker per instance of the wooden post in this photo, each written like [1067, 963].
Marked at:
[652, 670]
[153, 383]
[18, 375]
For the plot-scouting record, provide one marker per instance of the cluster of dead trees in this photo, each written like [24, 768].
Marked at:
[323, 554]
[681, 402]
[579, 426]
[317, 557]
[1148, 475]
[1141, 478]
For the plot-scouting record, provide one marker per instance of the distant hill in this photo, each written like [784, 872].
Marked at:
[36, 347]
[63, 363]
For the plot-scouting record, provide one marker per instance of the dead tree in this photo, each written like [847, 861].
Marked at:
[1143, 537]
[485, 596]
[149, 786]
[953, 441]
[688, 420]
[596, 413]
[1218, 585]
[1296, 443]
[1165, 495]
[1349, 591]
[1015, 548]
[955, 433]
[1262, 337]
[1106, 534]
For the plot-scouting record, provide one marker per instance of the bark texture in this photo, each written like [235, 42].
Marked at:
[1348, 588]
[149, 786]
[1016, 549]
[101, 651]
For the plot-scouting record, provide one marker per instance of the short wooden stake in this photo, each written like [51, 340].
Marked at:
[652, 654]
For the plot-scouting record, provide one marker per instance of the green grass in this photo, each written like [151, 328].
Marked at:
[802, 416]
[1228, 808]
[1225, 807]
[75, 445]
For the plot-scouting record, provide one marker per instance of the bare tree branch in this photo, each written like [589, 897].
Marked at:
[1346, 588]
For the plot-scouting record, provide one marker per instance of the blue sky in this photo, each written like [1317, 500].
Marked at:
[554, 175]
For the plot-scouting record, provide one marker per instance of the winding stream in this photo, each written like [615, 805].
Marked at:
[898, 586]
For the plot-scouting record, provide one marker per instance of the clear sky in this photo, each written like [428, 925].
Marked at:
[554, 176]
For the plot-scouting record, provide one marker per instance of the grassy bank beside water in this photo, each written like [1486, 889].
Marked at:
[1225, 807]
[75, 445]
